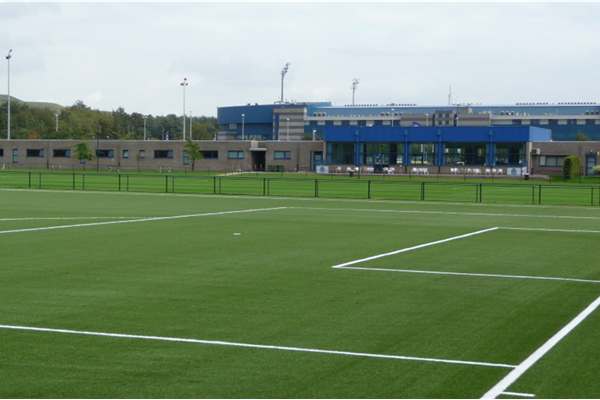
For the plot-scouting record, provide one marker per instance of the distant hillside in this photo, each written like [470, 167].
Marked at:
[32, 104]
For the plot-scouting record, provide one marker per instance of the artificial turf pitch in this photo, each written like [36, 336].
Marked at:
[120, 295]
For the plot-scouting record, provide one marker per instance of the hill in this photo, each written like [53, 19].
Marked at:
[33, 104]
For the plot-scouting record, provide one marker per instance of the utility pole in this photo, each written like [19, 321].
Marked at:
[354, 85]
[8, 129]
[184, 84]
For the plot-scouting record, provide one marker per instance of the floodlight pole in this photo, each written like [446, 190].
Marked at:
[283, 72]
[243, 116]
[191, 120]
[8, 128]
[184, 84]
[145, 117]
[354, 85]
[56, 115]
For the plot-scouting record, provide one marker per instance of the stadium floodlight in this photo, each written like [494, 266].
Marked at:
[8, 128]
[243, 116]
[354, 85]
[283, 72]
[184, 84]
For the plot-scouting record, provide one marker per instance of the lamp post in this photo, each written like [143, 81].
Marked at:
[288, 129]
[56, 115]
[184, 84]
[283, 72]
[243, 116]
[354, 85]
[191, 120]
[145, 117]
[8, 129]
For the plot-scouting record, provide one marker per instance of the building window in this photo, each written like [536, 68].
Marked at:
[345, 122]
[35, 153]
[235, 155]
[186, 158]
[341, 153]
[552, 122]
[381, 154]
[142, 153]
[283, 155]
[422, 154]
[105, 153]
[210, 154]
[15, 156]
[509, 153]
[571, 122]
[59, 153]
[590, 122]
[232, 126]
[534, 122]
[552, 161]
[466, 154]
[163, 153]
[517, 121]
[328, 123]
[378, 122]
[1, 152]
[125, 153]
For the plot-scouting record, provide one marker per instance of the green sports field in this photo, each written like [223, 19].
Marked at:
[138, 295]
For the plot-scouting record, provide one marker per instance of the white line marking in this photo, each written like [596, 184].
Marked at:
[518, 394]
[64, 218]
[413, 248]
[410, 271]
[256, 346]
[539, 353]
[449, 213]
[551, 230]
[141, 220]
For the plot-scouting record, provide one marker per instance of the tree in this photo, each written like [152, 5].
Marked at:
[596, 170]
[193, 150]
[571, 167]
[83, 153]
[582, 137]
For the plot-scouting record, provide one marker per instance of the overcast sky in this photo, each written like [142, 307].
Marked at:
[135, 55]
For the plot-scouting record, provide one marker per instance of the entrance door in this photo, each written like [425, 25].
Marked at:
[258, 161]
[316, 160]
[381, 161]
[590, 162]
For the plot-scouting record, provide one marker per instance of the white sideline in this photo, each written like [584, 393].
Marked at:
[539, 353]
[411, 271]
[141, 220]
[412, 248]
[256, 346]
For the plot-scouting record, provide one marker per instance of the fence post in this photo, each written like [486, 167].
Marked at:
[83, 182]
[119, 182]
[316, 188]
[422, 191]
[540, 195]
[369, 189]
[40, 181]
[166, 184]
[264, 186]
[173, 184]
[29, 179]
[215, 184]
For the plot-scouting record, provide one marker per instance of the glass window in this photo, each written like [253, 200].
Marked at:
[235, 155]
[590, 121]
[1, 152]
[142, 153]
[35, 153]
[534, 122]
[466, 154]
[58, 153]
[552, 161]
[341, 153]
[571, 122]
[125, 153]
[163, 153]
[209, 154]
[517, 121]
[283, 155]
[509, 153]
[552, 122]
[15, 155]
[105, 153]
[186, 158]
[422, 154]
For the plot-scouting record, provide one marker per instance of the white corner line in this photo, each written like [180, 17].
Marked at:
[539, 353]
[518, 394]
[414, 271]
[141, 220]
[257, 346]
[413, 248]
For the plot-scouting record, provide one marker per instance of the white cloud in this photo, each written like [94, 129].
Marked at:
[134, 55]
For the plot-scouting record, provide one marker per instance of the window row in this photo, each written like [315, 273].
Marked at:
[385, 154]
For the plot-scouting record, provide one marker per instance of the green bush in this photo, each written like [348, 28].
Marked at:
[571, 167]
[596, 170]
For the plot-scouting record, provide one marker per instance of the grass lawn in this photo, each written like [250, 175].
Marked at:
[137, 295]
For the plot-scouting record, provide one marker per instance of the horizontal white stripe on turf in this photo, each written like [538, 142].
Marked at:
[140, 220]
[410, 271]
[257, 346]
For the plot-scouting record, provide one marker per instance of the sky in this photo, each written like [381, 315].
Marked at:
[136, 55]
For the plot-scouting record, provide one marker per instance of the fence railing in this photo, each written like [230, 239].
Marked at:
[307, 187]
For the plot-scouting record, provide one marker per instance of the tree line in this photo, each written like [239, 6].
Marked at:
[81, 122]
